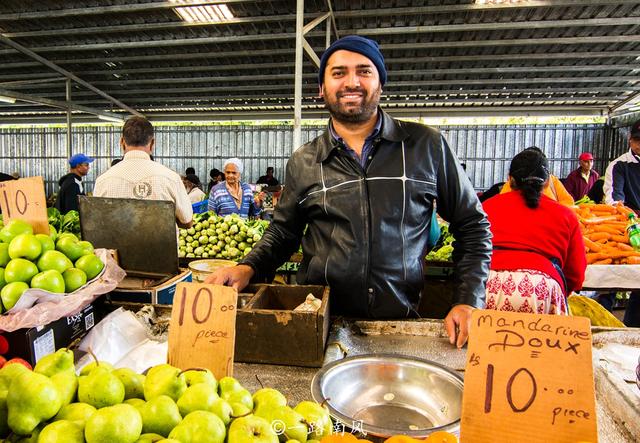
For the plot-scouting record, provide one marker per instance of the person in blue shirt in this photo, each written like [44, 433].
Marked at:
[232, 196]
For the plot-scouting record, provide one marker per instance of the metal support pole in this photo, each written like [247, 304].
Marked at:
[69, 132]
[327, 42]
[297, 99]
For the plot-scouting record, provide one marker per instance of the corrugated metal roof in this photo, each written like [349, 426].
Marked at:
[582, 56]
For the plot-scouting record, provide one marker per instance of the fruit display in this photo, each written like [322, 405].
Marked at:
[604, 232]
[59, 263]
[211, 236]
[581, 306]
[53, 404]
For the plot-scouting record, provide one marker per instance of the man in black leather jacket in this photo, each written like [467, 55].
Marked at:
[365, 190]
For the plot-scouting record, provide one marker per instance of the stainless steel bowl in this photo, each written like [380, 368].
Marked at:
[388, 394]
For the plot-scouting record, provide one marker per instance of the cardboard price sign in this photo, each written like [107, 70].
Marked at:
[202, 331]
[24, 199]
[528, 378]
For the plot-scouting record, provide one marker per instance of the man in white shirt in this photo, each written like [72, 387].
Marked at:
[137, 176]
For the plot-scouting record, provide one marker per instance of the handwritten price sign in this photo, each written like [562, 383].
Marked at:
[528, 378]
[203, 328]
[24, 199]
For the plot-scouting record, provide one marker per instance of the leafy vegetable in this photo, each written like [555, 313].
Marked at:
[443, 250]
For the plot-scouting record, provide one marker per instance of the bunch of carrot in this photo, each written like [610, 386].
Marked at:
[604, 231]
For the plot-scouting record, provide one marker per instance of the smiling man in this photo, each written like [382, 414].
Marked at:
[365, 191]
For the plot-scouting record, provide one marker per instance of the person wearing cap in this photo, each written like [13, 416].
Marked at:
[232, 196]
[138, 176]
[580, 181]
[360, 199]
[71, 185]
[192, 185]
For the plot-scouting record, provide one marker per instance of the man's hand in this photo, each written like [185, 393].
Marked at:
[457, 324]
[237, 277]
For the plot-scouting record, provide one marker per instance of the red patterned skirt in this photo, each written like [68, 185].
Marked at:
[525, 290]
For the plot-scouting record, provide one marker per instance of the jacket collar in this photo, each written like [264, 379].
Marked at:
[391, 130]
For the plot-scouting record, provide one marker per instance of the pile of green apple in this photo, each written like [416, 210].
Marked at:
[55, 263]
[52, 405]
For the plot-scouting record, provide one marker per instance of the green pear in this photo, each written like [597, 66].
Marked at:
[294, 425]
[67, 385]
[100, 388]
[169, 440]
[52, 364]
[200, 427]
[77, 412]
[223, 410]
[91, 366]
[198, 397]
[150, 438]
[4, 413]
[7, 374]
[266, 399]
[251, 429]
[62, 431]
[114, 424]
[132, 381]
[238, 397]
[32, 399]
[164, 380]
[318, 418]
[135, 402]
[196, 376]
[160, 415]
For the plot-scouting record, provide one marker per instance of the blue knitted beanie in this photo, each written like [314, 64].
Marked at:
[355, 43]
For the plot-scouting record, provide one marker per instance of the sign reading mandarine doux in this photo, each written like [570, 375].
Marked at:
[24, 199]
[202, 331]
[528, 378]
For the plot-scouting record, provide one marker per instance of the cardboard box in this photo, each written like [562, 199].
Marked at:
[268, 330]
[32, 344]
[145, 290]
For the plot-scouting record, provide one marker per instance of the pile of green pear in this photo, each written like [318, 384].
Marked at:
[56, 263]
[51, 404]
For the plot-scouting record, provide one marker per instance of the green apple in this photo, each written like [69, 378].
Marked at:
[74, 278]
[53, 232]
[120, 423]
[20, 269]
[86, 370]
[150, 438]
[198, 397]
[46, 242]
[266, 399]
[200, 427]
[295, 426]
[4, 254]
[91, 265]
[132, 381]
[160, 415]
[55, 260]
[11, 292]
[2, 280]
[13, 228]
[251, 429]
[25, 246]
[318, 418]
[87, 247]
[70, 235]
[78, 412]
[50, 280]
[62, 431]
[69, 246]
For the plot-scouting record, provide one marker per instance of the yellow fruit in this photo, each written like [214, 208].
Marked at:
[580, 306]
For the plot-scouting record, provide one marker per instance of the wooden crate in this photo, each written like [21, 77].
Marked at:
[268, 330]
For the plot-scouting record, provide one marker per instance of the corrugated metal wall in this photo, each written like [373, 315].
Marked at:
[486, 150]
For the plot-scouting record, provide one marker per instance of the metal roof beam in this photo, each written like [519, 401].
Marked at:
[41, 81]
[288, 36]
[627, 100]
[58, 104]
[115, 9]
[269, 52]
[66, 73]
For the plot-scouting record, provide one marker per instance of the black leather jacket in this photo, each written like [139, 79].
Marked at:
[367, 229]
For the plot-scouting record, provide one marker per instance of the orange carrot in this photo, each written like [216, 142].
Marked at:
[591, 245]
[593, 257]
[596, 220]
[634, 260]
[624, 247]
[620, 238]
[609, 229]
[606, 261]
[595, 236]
